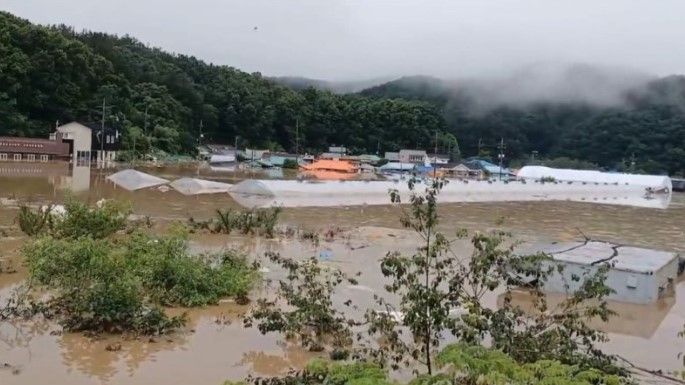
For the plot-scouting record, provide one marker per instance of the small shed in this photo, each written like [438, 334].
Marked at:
[637, 275]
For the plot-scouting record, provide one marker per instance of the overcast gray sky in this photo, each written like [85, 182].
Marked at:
[357, 39]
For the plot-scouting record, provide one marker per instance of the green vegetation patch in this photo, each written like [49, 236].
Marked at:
[253, 221]
[75, 220]
[104, 283]
[107, 285]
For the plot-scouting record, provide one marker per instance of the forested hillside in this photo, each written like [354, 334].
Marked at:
[51, 74]
[644, 131]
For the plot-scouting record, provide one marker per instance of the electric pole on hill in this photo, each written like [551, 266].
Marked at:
[102, 133]
[297, 141]
[501, 148]
[435, 156]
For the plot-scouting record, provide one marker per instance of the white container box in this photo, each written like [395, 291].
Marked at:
[637, 275]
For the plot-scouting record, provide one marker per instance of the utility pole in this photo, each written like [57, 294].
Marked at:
[501, 148]
[435, 156]
[297, 140]
[102, 132]
[145, 127]
[532, 156]
[199, 139]
[378, 148]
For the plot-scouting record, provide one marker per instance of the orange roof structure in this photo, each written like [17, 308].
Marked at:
[331, 165]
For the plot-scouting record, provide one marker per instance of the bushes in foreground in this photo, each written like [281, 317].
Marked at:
[75, 220]
[459, 365]
[106, 285]
[253, 221]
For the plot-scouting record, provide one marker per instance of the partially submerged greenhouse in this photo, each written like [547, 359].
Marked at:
[293, 193]
[132, 180]
[537, 173]
[194, 186]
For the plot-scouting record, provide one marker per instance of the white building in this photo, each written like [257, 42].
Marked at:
[438, 159]
[80, 139]
[392, 156]
[413, 156]
[636, 275]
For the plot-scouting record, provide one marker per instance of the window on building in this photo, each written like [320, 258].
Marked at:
[44, 158]
[3, 156]
[31, 157]
[17, 157]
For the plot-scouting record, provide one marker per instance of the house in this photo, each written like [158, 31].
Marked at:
[220, 149]
[251, 154]
[341, 150]
[219, 154]
[106, 143]
[392, 156]
[394, 167]
[369, 158]
[462, 171]
[80, 140]
[331, 155]
[366, 168]
[278, 158]
[413, 156]
[438, 159]
[33, 149]
[487, 167]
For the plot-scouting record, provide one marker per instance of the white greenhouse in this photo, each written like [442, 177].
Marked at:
[293, 193]
[135, 180]
[655, 182]
[194, 186]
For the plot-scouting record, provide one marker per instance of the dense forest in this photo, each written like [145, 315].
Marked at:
[644, 132]
[164, 100]
[50, 74]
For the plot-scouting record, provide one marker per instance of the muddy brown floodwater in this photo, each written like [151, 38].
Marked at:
[215, 346]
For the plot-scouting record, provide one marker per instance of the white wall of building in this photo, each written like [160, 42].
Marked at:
[81, 136]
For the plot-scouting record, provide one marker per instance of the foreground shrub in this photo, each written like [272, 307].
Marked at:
[34, 222]
[310, 316]
[254, 221]
[76, 219]
[106, 285]
[479, 365]
[101, 221]
[460, 365]
[172, 277]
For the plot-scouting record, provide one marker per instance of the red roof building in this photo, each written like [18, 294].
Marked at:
[33, 149]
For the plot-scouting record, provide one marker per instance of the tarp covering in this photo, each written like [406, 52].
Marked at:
[291, 193]
[656, 182]
[192, 186]
[135, 180]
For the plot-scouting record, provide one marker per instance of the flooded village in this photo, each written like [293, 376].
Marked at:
[342, 193]
[343, 202]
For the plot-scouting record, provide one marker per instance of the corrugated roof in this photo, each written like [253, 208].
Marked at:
[331, 165]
